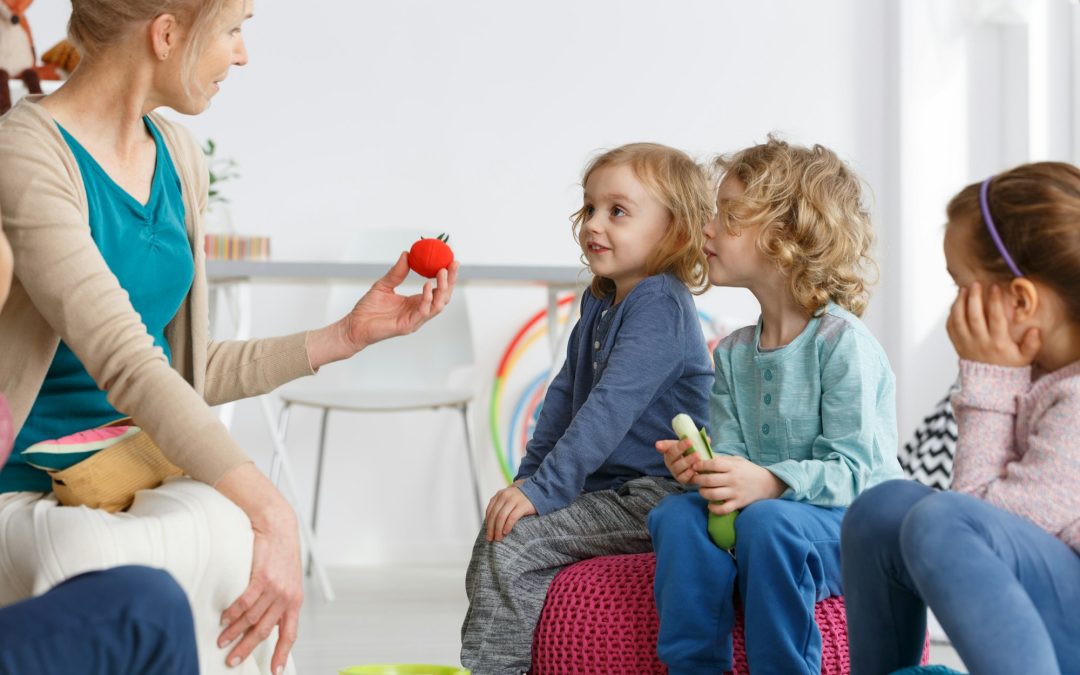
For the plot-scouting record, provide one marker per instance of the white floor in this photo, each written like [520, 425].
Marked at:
[403, 615]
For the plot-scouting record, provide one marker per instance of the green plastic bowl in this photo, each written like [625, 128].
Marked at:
[403, 669]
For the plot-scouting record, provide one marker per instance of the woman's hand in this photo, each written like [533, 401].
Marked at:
[683, 467]
[508, 506]
[983, 335]
[737, 482]
[275, 591]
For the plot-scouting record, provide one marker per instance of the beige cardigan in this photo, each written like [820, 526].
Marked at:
[64, 290]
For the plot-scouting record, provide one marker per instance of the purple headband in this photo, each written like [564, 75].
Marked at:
[993, 230]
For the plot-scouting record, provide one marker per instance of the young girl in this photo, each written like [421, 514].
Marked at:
[636, 358]
[802, 410]
[996, 560]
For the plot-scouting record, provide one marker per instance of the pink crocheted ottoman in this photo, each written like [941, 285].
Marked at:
[600, 619]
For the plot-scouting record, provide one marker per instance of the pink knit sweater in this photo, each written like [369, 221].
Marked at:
[1019, 443]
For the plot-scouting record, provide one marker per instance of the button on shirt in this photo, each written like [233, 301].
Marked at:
[819, 412]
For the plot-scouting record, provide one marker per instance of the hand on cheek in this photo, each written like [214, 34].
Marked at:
[981, 331]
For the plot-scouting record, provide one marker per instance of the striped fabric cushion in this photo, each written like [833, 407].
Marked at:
[61, 453]
[928, 457]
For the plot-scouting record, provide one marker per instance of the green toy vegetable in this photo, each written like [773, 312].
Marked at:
[721, 528]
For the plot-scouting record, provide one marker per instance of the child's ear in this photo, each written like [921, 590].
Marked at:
[1025, 298]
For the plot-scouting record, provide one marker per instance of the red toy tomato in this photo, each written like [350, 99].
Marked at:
[428, 256]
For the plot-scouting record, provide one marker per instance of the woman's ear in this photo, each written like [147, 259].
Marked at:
[164, 35]
[1025, 298]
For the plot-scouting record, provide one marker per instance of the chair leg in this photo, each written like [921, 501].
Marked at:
[283, 432]
[319, 468]
[472, 465]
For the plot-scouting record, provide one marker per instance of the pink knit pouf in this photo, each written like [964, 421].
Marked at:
[600, 619]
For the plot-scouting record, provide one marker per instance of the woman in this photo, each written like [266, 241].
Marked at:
[102, 202]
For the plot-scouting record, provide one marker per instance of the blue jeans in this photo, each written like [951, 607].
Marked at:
[787, 558]
[122, 621]
[1006, 592]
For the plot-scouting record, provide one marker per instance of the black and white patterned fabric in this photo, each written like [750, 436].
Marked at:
[928, 457]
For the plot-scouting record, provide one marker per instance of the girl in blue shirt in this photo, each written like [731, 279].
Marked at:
[802, 415]
[636, 357]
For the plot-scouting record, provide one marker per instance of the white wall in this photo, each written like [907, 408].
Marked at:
[476, 118]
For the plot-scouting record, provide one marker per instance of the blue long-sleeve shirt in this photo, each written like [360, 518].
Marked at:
[629, 369]
[819, 412]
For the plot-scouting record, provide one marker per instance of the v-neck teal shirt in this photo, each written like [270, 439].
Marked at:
[146, 246]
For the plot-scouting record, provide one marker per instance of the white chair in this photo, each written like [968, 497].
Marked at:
[430, 369]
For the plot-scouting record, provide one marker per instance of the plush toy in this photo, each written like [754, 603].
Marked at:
[721, 528]
[63, 57]
[428, 256]
[17, 57]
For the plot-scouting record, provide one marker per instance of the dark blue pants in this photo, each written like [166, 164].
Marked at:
[122, 621]
[1006, 591]
[787, 558]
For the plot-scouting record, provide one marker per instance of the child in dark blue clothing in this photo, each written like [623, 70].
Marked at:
[636, 358]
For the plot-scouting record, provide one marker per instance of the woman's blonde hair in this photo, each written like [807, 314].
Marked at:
[97, 24]
[814, 225]
[677, 182]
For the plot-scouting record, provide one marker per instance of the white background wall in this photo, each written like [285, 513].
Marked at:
[476, 118]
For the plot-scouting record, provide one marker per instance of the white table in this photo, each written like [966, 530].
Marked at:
[231, 283]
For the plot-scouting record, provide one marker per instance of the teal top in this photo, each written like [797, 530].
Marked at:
[819, 412]
[146, 246]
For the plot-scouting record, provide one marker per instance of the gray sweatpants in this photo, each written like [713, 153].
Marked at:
[507, 581]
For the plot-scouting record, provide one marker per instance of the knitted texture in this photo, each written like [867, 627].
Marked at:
[600, 619]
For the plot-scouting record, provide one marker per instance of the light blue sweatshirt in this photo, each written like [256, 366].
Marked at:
[819, 412]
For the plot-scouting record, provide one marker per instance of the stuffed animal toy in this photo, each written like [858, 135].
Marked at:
[17, 57]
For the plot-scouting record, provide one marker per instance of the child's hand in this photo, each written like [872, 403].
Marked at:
[683, 469]
[508, 506]
[983, 336]
[737, 482]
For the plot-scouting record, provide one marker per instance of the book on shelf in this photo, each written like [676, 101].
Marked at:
[237, 247]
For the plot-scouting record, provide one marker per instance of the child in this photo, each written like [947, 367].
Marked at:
[996, 560]
[802, 408]
[636, 358]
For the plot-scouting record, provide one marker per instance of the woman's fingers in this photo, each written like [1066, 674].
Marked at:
[259, 631]
[249, 618]
[287, 633]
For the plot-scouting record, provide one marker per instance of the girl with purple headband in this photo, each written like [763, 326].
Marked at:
[997, 558]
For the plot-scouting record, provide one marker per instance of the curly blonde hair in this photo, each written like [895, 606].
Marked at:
[680, 184]
[814, 225]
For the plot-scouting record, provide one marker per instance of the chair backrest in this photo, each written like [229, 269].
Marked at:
[439, 354]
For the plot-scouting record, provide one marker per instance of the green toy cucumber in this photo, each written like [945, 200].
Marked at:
[721, 528]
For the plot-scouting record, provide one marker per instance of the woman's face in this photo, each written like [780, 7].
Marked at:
[223, 49]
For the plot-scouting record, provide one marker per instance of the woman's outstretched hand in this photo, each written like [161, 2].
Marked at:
[382, 313]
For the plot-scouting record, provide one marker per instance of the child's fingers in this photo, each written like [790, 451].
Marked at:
[711, 480]
[511, 519]
[722, 509]
[958, 317]
[1031, 344]
[995, 313]
[501, 517]
[976, 318]
[717, 494]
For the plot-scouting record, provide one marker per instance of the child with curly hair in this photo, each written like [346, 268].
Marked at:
[802, 417]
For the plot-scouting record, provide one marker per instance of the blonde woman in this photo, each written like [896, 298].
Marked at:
[102, 202]
[802, 414]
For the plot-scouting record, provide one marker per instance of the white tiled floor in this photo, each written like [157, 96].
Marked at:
[402, 615]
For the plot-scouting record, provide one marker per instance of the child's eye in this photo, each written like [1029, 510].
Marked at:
[588, 210]
[618, 211]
